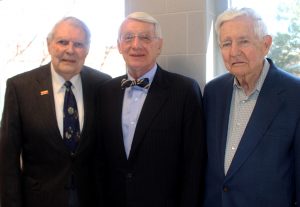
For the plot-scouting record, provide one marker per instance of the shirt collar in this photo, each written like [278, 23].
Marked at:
[150, 74]
[58, 81]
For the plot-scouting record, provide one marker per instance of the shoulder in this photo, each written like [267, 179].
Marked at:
[31, 75]
[113, 83]
[174, 79]
[94, 75]
[279, 77]
[177, 86]
[91, 77]
[287, 77]
[220, 81]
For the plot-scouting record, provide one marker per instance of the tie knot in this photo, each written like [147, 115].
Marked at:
[143, 83]
[68, 84]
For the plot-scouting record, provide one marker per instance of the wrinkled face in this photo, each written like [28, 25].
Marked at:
[243, 52]
[139, 46]
[68, 49]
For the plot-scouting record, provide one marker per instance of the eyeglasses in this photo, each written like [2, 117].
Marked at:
[144, 38]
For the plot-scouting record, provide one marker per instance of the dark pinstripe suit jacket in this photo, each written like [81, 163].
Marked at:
[165, 166]
[29, 126]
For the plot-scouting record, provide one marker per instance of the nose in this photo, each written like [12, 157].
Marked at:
[136, 42]
[235, 49]
[70, 47]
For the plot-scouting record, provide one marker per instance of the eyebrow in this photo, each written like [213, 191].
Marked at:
[239, 38]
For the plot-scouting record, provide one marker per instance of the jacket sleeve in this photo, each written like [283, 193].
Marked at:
[194, 149]
[10, 150]
[297, 163]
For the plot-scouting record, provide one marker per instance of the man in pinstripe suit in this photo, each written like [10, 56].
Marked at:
[151, 136]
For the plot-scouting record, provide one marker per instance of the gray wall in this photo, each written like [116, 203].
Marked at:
[186, 26]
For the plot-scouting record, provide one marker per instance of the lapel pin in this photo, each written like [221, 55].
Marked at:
[45, 92]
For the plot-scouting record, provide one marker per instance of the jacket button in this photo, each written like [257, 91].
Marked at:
[129, 176]
[72, 154]
[225, 189]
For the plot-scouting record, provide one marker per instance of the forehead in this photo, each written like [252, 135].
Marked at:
[69, 30]
[135, 26]
[238, 27]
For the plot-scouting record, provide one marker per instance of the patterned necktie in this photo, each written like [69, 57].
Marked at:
[71, 119]
[143, 83]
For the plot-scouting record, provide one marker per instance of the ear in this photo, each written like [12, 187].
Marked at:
[160, 43]
[268, 42]
[159, 47]
[48, 45]
[119, 47]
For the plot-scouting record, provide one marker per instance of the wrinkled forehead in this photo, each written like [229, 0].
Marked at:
[239, 26]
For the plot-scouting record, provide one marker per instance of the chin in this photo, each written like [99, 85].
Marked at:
[136, 66]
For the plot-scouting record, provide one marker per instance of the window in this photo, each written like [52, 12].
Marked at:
[282, 18]
[26, 24]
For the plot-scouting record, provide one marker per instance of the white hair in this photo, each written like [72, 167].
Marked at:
[144, 17]
[260, 27]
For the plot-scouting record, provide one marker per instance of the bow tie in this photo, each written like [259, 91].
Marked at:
[143, 83]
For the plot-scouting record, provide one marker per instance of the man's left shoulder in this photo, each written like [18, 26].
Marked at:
[287, 79]
[177, 79]
[93, 74]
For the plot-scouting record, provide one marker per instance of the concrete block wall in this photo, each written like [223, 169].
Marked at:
[186, 27]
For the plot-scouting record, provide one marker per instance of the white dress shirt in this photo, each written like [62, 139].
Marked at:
[59, 94]
[133, 101]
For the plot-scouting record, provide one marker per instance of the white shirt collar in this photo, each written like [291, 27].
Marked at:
[58, 81]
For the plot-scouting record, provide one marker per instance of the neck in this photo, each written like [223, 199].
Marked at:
[248, 83]
[137, 73]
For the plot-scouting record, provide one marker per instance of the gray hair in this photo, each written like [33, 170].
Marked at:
[260, 27]
[75, 22]
[144, 17]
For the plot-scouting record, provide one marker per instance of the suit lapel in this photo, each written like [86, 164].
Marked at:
[117, 104]
[268, 105]
[156, 97]
[115, 97]
[87, 103]
[223, 111]
[45, 102]
[88, 100]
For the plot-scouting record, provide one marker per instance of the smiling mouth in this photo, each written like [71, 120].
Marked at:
[136, 55]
